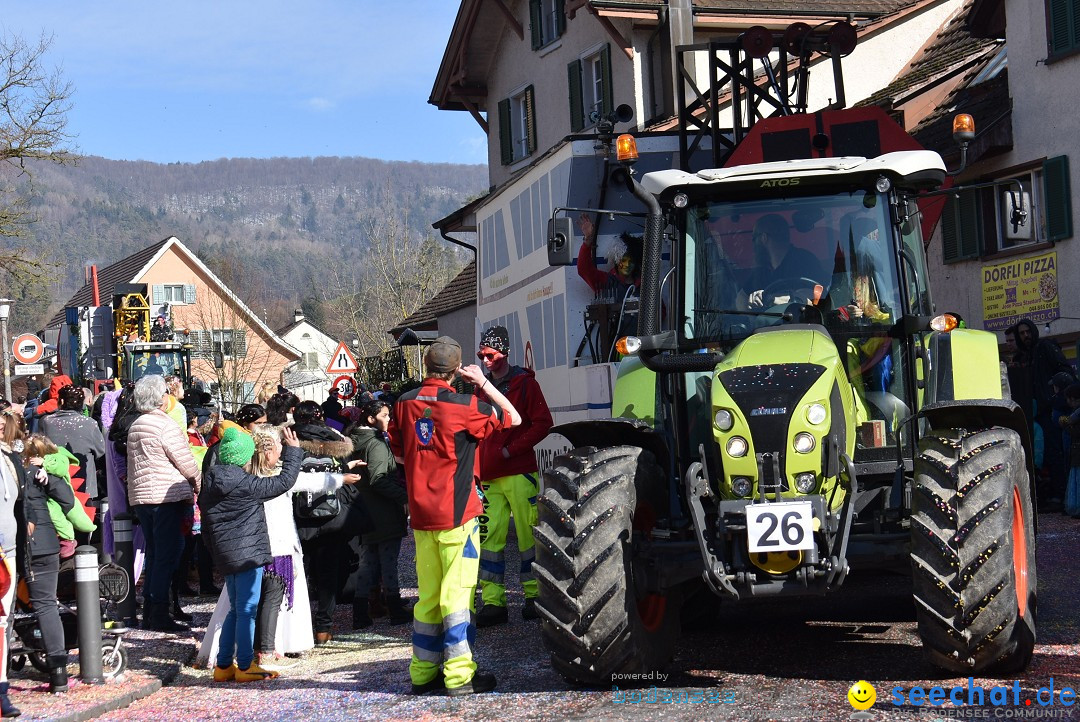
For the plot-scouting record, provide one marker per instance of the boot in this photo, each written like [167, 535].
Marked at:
[400, 611]
[178, 612]
[160, 621]
[58, 678]
[360, 617]
[375, 604]
[7, 709]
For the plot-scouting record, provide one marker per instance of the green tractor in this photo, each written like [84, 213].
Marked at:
[785, 418]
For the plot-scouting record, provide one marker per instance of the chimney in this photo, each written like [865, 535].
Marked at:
[298, 315]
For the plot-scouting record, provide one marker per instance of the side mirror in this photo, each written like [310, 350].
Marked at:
[99, 364]
[561, 241]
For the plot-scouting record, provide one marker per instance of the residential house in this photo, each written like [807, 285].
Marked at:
[233, 350]
[544, 78]
[307, 378]
[991, 269]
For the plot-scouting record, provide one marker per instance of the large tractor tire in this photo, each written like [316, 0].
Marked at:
[597, 622]
[973, 551]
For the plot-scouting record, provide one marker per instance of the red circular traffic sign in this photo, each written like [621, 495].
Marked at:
[27, 348]
[346, 387]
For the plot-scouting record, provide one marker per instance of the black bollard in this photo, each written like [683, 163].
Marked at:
[88, 599]
[124, 549]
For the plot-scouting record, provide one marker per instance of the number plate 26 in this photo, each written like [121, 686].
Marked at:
[780, 527]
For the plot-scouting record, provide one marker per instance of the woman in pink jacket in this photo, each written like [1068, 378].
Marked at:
[163, 479]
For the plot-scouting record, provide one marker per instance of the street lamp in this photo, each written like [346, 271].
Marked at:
[5, 312]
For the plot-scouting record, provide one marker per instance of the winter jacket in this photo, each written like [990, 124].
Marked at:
[11, 511]
[35, 508]
[160, 466]
[320, 441]
[52, 400]
[66, 521]
[233, 519]
[520, 388]
[279, 510]
[384, 498]
[82, 437]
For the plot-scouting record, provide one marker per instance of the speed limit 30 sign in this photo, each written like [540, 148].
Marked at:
[346, 386]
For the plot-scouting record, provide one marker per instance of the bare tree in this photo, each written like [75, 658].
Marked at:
[34, 103]
[401, 271]
[227, 349]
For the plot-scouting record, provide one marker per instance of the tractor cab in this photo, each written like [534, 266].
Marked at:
[163, 359]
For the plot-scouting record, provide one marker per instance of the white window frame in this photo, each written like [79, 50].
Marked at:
[592, 86]
[549, 24]
[1032, 182]
[219, 343]
[519, 124]
[173, 293]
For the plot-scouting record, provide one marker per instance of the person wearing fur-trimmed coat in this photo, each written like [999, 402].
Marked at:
[326, 542]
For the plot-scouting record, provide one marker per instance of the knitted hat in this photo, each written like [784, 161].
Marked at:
[496, 338]
[236, 447]
[443, 356]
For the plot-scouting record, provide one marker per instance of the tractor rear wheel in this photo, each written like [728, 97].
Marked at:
[598, 621]
[973, 550]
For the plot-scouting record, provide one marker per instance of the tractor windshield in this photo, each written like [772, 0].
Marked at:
[803, 259]
[141, 363]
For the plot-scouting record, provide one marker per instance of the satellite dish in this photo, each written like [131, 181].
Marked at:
[795, 39]
[842, 39]
[757, 42]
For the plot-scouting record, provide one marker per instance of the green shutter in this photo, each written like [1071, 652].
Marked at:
[577, 111]
[1056, 191]
[960, 227]
[969, 224]
[605, 71]
[535, 24]
[530, 114]
[1062, 18]
[560, 18]
[506, 133]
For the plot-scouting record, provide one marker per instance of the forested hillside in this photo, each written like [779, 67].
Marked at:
[268, 227]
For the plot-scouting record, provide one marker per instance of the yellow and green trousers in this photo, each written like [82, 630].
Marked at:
[446, 569]
[505, 497]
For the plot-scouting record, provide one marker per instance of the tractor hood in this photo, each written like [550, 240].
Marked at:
[768, 385]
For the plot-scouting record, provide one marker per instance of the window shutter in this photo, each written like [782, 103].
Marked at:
[157, 294]
[1063, 18]
[960, 228]
[560, 17]
[201, 344]
[189, 293]
[573, 81]
[1056, 191]
[950, 241]
[605, 70]
[969, 225]
[530, 114]
[535, 24]
[239, 342]
[506, 133]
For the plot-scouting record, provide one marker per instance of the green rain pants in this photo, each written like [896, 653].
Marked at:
[509, 495]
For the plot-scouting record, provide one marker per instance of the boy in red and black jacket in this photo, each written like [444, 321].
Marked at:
[434, 434]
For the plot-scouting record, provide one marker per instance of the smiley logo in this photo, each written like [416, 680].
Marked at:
[862, 695]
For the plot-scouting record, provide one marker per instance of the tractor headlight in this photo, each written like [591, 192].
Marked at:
[816, 414]
[804, 442]
[740, 486]
[724, 420]
[737, 447]
[805, 482]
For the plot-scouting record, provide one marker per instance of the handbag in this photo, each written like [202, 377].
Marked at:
[317, 505]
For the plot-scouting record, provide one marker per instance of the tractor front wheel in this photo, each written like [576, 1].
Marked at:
[598, 621]
[973, 551]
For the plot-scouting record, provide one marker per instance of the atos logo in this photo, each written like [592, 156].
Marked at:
[780, 182]
[769, 411]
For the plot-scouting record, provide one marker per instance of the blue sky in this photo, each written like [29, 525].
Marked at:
[200, 80]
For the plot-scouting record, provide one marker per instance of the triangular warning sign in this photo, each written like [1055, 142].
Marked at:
[342, 362]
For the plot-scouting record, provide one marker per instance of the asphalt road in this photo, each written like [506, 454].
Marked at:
[793, 659]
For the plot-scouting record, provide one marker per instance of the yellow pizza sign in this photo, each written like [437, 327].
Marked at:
[1021, 288]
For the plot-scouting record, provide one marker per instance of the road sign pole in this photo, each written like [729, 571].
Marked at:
[5, 310]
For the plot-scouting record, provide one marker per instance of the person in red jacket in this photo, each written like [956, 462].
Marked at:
[434, 434]
[509, 479]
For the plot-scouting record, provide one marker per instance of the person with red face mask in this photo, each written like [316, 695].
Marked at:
[509, 479]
